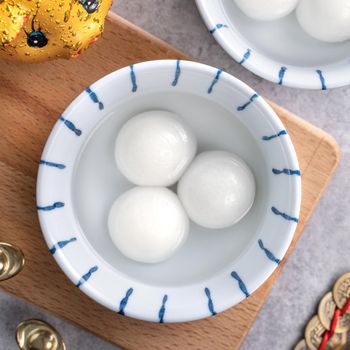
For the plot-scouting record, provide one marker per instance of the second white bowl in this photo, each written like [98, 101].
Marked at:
[279, 50]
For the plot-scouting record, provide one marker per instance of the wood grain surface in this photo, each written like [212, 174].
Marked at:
[32, 97]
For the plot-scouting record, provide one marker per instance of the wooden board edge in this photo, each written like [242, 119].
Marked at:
[302, 122]
[327, 145]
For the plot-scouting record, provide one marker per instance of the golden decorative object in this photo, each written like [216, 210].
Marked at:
[38, 335]
[11, 260]
[39, 30]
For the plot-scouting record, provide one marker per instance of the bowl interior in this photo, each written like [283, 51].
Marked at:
[97, 183]
[284, 39]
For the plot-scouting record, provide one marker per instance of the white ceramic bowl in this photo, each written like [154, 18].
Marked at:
[78, 181]
[279, 51]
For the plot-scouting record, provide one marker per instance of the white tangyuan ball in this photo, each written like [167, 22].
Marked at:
[325, 20]
[148, 224]
[266, 10]
[154, 148]
[217, 190]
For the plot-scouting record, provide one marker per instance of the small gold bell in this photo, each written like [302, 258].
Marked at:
[38, 335]
[11, 261]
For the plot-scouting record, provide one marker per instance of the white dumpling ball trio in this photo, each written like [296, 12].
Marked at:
[325, 20]
[154, 150]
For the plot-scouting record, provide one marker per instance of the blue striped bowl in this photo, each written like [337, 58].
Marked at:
[277, 50]
[78, 181]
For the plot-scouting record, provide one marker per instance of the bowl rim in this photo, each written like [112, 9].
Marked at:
[321, 77]
[80, 275]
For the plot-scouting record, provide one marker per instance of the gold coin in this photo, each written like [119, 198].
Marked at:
[326, 310]
[341, 290]
[314, 334]
[301, 345]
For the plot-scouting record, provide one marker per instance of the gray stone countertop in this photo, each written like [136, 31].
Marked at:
[323, 252]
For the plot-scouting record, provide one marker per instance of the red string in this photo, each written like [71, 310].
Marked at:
[337, 313]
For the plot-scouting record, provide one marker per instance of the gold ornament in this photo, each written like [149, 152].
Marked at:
[40, 30]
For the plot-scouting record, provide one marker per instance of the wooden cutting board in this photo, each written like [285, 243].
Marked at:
[32, 97]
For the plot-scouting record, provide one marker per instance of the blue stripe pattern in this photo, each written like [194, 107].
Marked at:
[55, 205]
[86, 277]
[286, 171]
[322, 79]
[215, 80]
[218, 26]
[94, 98]
[210, 301]
[268, 253]
[245, 56]
[61, 244]
[54, 165]
[281, 133]
[70, 126]
[244, 106]
[281, 74]
[133, 78]
[124, 301]
[284, 215]
[162, 309]
[177, 73]
[241, 284]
